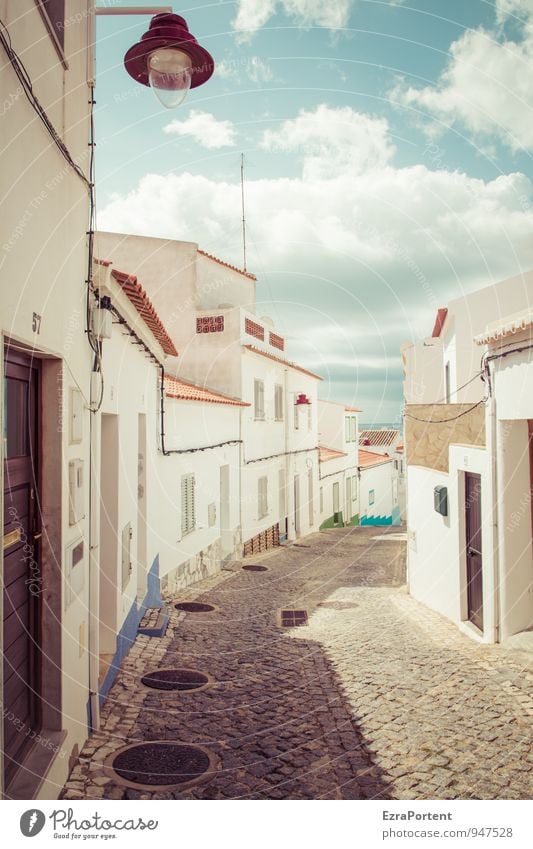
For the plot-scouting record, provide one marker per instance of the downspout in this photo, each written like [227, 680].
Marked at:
[492, 436]
[291, 531]
[94, 562]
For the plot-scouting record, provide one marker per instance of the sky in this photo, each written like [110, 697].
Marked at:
[388, 165]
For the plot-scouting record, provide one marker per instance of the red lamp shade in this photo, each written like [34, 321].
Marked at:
[302, 399]
[167, 30]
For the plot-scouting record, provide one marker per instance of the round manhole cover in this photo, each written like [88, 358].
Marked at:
[194, 606]
[176, 679]
[159, 764]
[255, 567]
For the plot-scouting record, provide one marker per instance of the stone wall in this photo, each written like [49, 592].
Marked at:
[430, 429]
[204, 564]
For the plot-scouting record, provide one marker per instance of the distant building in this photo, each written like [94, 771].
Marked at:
[378, 489]
[389, 443]
[339, 477]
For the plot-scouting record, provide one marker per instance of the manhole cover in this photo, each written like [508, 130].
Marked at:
[194, 606]
[176, 679]
[338, 605]
[255, 567]
[293, 618]
[159, 764]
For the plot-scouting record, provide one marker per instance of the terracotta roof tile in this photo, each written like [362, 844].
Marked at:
[142, 303]
[281, 360]
[370, 458]
[378, 437]
[325, 454]
[228, 265]
[353, 410]
[175, 388]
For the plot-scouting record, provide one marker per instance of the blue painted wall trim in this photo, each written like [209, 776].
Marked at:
[128, 632]
[376, 520]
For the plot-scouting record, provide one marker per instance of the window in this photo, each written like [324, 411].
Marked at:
[296, 414]
[354, 487]
[262, 496]
[278, 402]
[370, 497]
[348, 435]
[353, 429]
[55, 18]
[259, 399]
[321, 499]
[277, 341]
[309, 417]
[254, 329]
[188, 508]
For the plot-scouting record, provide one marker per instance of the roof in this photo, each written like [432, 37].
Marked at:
[325, 454]
[506, 327]
[175, 388]
[353, 410]
[228, 265]
[439, 320]
[339, 404]
[255, 350]
[378, 437]
[367, 459]
[142, 303]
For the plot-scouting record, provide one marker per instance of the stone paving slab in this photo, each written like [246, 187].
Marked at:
[377, 697]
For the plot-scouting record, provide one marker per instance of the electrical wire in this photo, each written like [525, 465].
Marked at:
[451, 419]
[27, 87]
[282, 454]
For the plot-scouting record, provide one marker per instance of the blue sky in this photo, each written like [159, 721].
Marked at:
[388, 163]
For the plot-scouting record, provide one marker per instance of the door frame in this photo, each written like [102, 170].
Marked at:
[473, 548]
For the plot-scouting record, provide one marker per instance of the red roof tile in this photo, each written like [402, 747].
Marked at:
[439, 321]
[378, 437]
[140, 300]
[370, 458]
[281, 360]
[353, 410]
[325, 454]
[175, 388]
[228, 265]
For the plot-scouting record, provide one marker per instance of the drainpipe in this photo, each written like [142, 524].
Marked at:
[291, 530]
[492, 439]
[94, 559]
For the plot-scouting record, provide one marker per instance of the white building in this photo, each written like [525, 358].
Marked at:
[468, 465]
[209, 309]
[339, 475]
[378, 499]
[47, 362]
[389, 443]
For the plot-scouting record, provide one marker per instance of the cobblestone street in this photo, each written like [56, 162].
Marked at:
[377, 697]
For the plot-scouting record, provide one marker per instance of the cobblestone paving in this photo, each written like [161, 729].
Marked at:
[378, 697]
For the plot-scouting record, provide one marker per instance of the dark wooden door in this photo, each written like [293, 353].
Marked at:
[474, 558]
[22, 571]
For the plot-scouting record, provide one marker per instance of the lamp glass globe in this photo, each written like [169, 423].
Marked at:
[169, 74]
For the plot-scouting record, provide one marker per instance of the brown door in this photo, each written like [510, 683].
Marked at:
[474, 561]
[22, 573]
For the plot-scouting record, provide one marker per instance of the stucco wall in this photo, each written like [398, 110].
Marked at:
[379, 480]
[428, 435]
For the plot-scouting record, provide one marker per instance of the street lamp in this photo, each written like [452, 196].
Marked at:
[167, 58]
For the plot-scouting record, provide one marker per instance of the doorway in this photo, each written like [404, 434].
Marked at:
[23, 583]
[226, 536]
[474, 558]
[297, 505]
[109, 583]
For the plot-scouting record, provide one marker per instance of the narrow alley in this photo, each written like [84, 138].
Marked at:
[376, 697]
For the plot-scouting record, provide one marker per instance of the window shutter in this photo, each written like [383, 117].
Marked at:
[348, 429]
[259, 402]
[188, 506]
[278, 397]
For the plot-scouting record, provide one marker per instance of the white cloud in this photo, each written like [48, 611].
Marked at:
[334, 141]
[204, 128]
[254, 14]
[259, 71]
[486, 86]
[375, 245]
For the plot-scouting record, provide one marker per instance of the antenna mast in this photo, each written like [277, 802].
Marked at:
[243, 213]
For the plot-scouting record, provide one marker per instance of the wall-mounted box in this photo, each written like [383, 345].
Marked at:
[440, 499]
[76, 510]
[76, 417]
[74, 570]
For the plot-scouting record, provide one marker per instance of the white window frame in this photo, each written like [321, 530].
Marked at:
[354, 487]
[353, 428]
[347, 429]
[262, 496]
[188, 504]
[259, 400]
[296, 416]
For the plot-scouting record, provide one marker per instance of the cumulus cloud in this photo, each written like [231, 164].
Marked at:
[334, 141]
[254, 14]
[205, 129]
[353, 248]
[486, 86]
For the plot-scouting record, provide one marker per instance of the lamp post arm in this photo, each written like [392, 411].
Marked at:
[133, 10]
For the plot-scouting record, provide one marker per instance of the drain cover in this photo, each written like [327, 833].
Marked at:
[160, 764]
[293, 618]
[194, 606]
[176, 679]
[255, 567]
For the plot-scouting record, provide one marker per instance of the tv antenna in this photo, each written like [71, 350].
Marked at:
[243, 214]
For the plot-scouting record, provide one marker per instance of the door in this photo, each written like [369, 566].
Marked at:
[348, 514]
[474, 561]
[336, 504]
[226, 534]
[22, 558]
